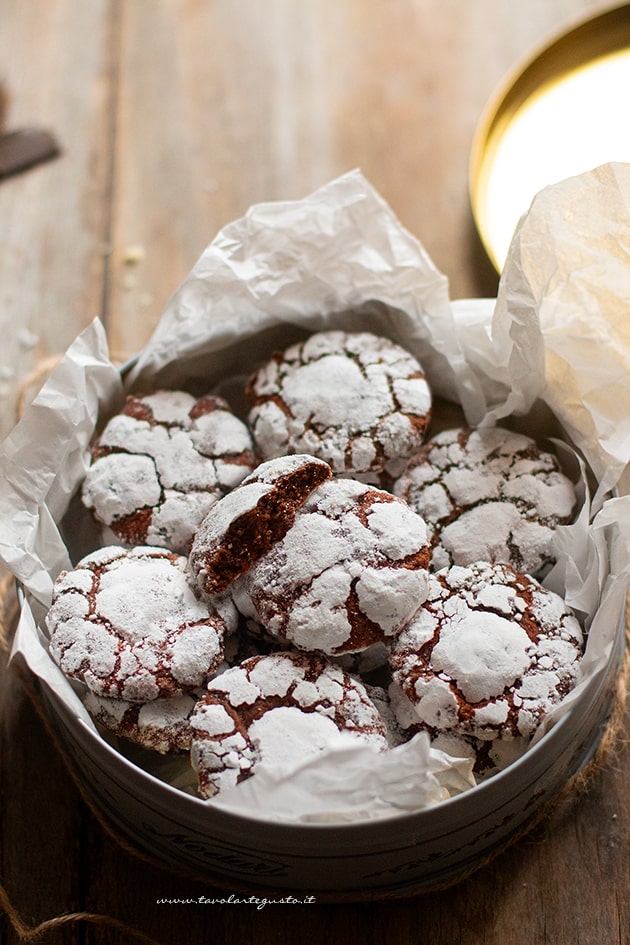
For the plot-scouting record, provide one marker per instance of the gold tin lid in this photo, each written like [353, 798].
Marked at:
[564, 112]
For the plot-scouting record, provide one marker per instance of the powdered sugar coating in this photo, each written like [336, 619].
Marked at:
[358, 401]
[243, 525]
[161, 464]
[396, 732]
[278, 709]
[488, 654]
[489, 756]
[127, 623]
[488, 495]
[350, 572]
[162, 725]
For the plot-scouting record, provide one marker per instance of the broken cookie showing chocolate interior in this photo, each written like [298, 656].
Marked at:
[244, 525]
[349, 573]
[277, 709]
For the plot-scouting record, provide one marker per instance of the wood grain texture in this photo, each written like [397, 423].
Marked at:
[174, 116]
[55, 63]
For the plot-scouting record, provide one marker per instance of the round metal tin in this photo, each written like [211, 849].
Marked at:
[395, 857]
[561, 113]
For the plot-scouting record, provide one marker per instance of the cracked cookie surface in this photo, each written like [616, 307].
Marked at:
[161, 463]
[349, 573]
[356, 400]
[162, 725]
[127, 623]
[276, 709]
[489, 653]
[488, 756]
[488, 495]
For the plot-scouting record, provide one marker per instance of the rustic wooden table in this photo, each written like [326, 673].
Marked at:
[173, 117]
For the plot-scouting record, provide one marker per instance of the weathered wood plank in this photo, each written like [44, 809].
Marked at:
[55, 62]
[41, 820]
[221, 109]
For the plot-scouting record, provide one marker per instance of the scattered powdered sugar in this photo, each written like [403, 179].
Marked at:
[275, 710]
[358, 401]
[161, 463]
[488, 495]
[126, 622]
[488, 655]
[349, 573]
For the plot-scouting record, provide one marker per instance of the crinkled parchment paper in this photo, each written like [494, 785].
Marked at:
[340, 258]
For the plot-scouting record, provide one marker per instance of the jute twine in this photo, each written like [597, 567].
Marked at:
[610, 743]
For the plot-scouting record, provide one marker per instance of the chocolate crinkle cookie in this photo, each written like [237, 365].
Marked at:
[489, 653]
[488, 756]
[162, 725]
[161, 463]
[127, 623]
[276, 709]
[349, 573]
[243, 526]
[356, 400]
[488, 495]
